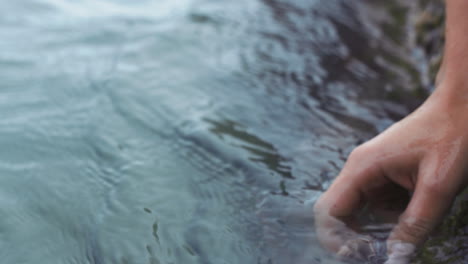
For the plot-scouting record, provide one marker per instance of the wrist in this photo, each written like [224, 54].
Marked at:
[446, 104]
[451, 94]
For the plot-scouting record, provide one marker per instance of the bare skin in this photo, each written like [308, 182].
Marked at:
[425, 153]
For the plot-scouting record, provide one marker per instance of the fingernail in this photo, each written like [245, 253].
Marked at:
[400, 252]
[345, 252]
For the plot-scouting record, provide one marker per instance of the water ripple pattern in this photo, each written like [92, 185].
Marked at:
[188, 131]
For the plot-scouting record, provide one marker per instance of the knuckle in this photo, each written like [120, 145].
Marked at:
[316, 207]
[319, 207]
[437, 188]
[360, 152]
[415, 230]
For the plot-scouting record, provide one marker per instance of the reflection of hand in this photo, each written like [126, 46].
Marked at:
[424, 153]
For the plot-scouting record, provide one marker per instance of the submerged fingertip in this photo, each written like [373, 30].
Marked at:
[344, 252]
[399, 251]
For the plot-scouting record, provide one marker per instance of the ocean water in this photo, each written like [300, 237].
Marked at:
[185, 131]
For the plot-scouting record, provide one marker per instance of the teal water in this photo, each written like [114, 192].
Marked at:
[188, 131]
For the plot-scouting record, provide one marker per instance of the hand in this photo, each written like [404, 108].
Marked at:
[425, 154]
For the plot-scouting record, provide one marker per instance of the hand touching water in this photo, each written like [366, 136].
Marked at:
[426, 153]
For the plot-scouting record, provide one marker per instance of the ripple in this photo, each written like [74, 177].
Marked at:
[191, 131]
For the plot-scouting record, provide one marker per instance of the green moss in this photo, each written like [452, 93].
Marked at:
[449, 237]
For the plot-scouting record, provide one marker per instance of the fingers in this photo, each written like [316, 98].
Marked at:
[346, 193]
[430, 202]
[332, 232]
[335, 205]
[343, 198]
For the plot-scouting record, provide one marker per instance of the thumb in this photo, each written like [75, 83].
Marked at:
[427, 207]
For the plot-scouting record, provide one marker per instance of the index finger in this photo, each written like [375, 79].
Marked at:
[340, 202]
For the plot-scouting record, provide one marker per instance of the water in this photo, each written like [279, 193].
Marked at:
[188, 131]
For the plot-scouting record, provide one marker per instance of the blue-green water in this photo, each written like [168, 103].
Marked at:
[181, 131]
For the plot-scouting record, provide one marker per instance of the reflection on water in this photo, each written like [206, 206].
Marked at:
[188, 131]
[261, 151]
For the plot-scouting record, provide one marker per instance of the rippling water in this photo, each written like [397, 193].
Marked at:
[188, 131]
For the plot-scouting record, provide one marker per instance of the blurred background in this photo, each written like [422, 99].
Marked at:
[197, 131]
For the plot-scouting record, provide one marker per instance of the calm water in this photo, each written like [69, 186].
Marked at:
[188, 131]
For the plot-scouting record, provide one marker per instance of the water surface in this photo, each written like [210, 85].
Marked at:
[188, 131]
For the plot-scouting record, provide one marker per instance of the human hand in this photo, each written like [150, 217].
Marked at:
[423, 154]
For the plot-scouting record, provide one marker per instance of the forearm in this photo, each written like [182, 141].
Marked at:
[453, 77]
